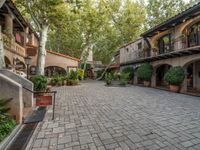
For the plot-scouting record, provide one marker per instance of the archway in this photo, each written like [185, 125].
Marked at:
[20, 66]
[160, 72]
[7, 62]
[193, 75]
[51, 70]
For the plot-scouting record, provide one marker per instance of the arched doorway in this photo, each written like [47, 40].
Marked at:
[160, 73]
[51, 70]
[193, 76]
[7, 62]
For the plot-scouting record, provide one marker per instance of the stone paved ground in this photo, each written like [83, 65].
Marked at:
[92, 116]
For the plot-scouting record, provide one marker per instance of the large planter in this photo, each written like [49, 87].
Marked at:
[147, 83]
[43, 100]
[65, 82]
[174, 88]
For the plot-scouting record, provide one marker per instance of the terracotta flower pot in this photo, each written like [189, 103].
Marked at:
[174, 88]
[65, 82]
[147, 83]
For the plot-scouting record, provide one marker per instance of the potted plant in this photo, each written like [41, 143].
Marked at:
[130, 71]
[108, 78]
[65, 80]
[80, 74]
[175, 77]
[56, 80]
[73, 78]
[124, 78]
[40, 85]
[144, 73]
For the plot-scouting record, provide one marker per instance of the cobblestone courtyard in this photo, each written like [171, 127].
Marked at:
[92, 116]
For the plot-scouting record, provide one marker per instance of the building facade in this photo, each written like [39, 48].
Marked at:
[20, 40]
[175, 42]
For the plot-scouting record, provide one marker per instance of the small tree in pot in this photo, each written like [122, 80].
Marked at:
[175, 77]
[144, 73]
[108, 78]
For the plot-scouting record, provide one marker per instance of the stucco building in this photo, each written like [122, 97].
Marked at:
[20, 40]
[175, 42]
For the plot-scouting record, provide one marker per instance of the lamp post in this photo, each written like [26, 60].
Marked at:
[27, 60]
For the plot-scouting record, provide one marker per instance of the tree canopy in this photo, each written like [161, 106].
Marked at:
[100, 25]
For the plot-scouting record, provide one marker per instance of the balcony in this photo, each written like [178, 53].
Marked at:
[12, 46]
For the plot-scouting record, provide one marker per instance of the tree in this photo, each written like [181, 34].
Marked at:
[159, 11]
[44, 14]
[2, 61]
[99, 25]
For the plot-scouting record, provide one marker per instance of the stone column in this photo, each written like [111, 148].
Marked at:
[195, 75]
[153, 78]
[184, 84]
[135, 79]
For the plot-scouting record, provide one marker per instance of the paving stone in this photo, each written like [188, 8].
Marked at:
[187, 144]
[93, 116]
[105, 135]
[85, 139]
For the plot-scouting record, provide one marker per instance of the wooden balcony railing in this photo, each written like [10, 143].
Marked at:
[13, 47]
[20, 50]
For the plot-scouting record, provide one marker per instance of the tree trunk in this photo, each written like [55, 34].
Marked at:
[42, 50]
[2, 61]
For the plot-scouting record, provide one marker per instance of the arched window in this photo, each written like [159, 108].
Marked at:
[164, 44]
[194, 35]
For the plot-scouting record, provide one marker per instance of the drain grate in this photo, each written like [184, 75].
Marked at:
[23, 137]
[36, 116]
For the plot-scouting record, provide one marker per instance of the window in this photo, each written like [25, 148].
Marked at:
[127, 49]
[140, 45]
[164, 44]
[194, 35]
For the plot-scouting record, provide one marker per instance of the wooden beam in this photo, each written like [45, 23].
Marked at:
[2, 2]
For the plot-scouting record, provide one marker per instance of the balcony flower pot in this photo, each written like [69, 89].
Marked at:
[147, 83]
[174, 88]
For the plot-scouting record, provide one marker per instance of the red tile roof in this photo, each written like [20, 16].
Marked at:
[63, 55]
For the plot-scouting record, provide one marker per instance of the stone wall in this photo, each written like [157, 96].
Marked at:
[11, 89]
[27, 96]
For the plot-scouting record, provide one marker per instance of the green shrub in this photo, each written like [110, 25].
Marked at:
[144, 72]
[129, 70]
[80, 74]
[6, 123]
[40, 83]
[57, 80]
[175, 75]
[108, 78]
[73, 75]
[6, 126]
[3, 102]
[124, 78]
[73, 82]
